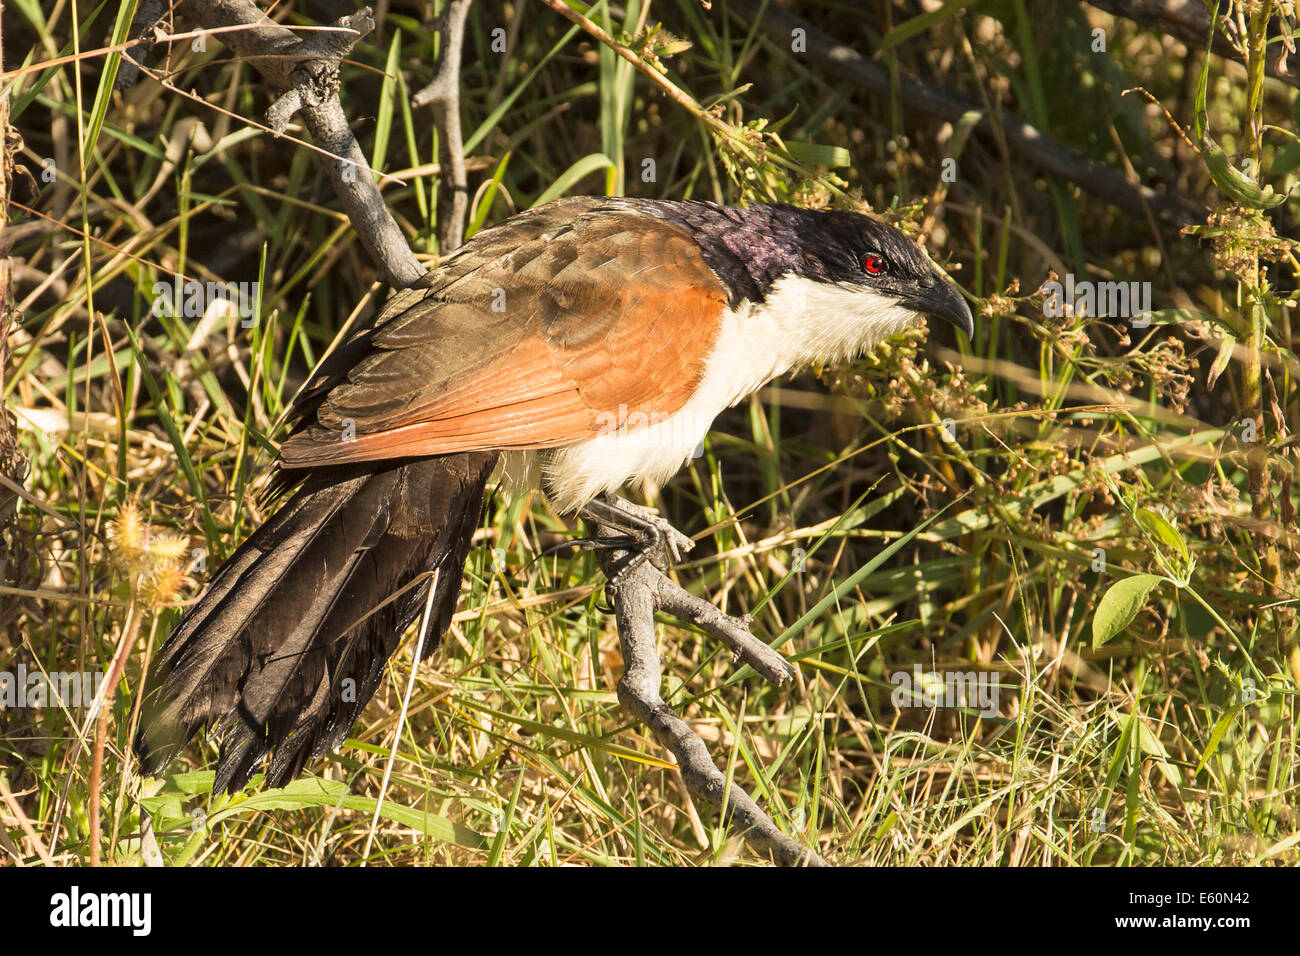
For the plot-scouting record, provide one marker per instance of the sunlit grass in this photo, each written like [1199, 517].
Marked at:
[1025, 453]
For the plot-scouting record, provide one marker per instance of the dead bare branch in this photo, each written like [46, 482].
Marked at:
[443, 94]
[303, 71]
[636, 594]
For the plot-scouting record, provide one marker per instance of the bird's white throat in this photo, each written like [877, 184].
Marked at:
[801, 322]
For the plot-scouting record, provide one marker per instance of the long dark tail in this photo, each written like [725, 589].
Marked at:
[290, 641]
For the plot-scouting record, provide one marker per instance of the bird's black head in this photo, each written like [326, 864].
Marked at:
[851, 249]
[752, 249]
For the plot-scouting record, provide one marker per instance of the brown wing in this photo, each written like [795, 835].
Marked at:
[534, 335]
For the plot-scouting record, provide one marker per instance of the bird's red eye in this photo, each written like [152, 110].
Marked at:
[874, 265]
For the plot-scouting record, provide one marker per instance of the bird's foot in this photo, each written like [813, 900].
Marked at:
[640, 532]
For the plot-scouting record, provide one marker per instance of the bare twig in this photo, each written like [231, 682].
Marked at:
[853, 67]
[443, 94]
[639, 592]
[733, 632]
[304, 74]
[151, 21]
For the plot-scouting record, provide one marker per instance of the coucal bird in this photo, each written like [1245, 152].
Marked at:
[598, 339]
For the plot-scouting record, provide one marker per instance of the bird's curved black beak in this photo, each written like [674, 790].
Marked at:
[941, 298]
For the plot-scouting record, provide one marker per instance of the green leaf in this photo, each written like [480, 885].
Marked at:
[196, 781]
[1220, 364]
[918, 24]
[1119, 605]
[1226, 720]
[489, 197]
[1149, 744]
[885, 826]
[1203, 82]
[813, 154]
[1159, 527]
[387, 101]
[318, 792]
[567, 179]
[1233, 183]
[104, 92]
